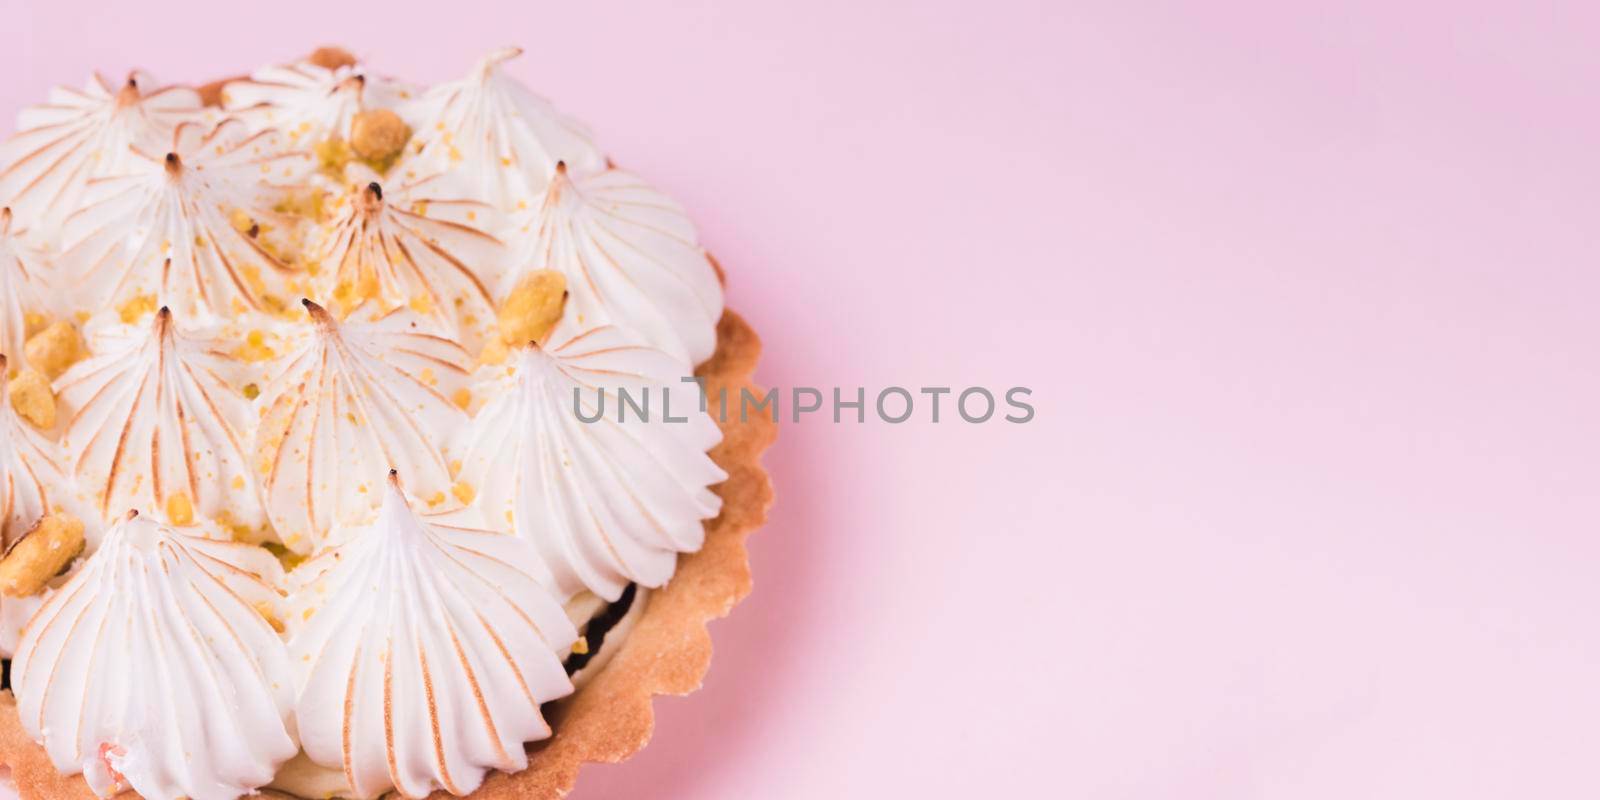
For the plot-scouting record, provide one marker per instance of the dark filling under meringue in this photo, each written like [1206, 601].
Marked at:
[600, 626]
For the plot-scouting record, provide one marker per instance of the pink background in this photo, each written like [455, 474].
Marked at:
[1308, 303]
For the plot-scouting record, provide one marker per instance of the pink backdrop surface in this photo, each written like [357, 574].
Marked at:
[1307, 300]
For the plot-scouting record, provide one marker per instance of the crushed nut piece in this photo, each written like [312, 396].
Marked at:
[533, 308]
[54, 349]
[33, 400]
[330, 57]
[494, 352]
[47, 548]
[378, 134]
[33, 322]
[581, 647]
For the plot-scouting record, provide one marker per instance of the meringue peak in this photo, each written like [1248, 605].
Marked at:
[425, 652]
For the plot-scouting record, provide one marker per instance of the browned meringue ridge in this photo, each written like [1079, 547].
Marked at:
[668, 651]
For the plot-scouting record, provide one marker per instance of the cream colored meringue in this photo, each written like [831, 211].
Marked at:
[388, 248]
[357, 399]
[154, 668]
[632, 258]
[83, 134]
[310, 103]
[153, 425]
[185, 225]
[605, 503]
[24, 287]
[425, 652]
[500, 139]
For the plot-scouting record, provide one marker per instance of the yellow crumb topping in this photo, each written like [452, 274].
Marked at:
[136, 307]
[377, 136]
[533, 307]
[581, 647]
[33, 400]
[54, 349]
[255, 347]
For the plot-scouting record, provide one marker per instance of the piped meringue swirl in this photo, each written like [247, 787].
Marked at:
[606, 502]
[156, 667]
[425, 652]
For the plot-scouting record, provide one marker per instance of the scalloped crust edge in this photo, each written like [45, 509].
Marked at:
[668, 651]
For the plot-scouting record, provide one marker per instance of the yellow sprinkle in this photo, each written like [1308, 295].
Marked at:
[494, 352]
[463, 492]
[136, 307]
[427, 377]
[255, 347]
[436, 499]
[581, 647]
[54, 349]
[251, 391]
[266, 612]
[179, 510]
[238, 482]
[462, 398]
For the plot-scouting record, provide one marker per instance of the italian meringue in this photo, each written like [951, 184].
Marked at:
[155, 426]
[500, 140]
[425, 652]
[357, 399]
[606, 502]
[631, 257]
[403, 247]
[307, 102]
[185, 225]
[154, 616]
[240, 324]
[84, 134]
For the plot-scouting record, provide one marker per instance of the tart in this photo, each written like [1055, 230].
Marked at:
[319, 473]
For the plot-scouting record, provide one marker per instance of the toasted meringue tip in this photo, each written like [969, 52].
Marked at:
[132, 512]
[318, 314]
[129, 93]
[174, 164]
[495, 58]
[375, 190]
